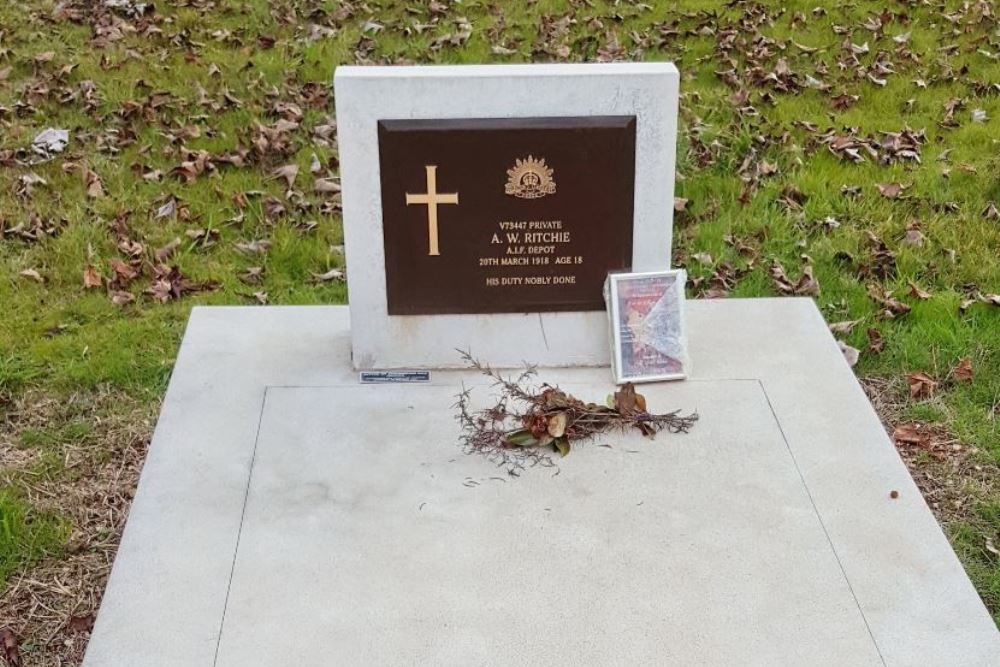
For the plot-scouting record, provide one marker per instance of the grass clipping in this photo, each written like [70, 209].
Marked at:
[527, 423]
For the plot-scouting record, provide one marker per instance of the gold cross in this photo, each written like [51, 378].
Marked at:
[431, 198]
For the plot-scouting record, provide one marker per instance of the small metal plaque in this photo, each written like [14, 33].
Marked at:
[379, 377]
[505, 215]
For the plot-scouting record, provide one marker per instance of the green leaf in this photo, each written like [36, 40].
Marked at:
[561, 445]
[522, 438]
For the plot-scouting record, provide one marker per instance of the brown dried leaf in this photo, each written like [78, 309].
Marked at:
[121, 297]
[921, 385]
[253, 275]
[918, 293]
[875, 342]
[963, 370]
[288, 173]
[124, 272]
[331, 275]
[92, 182]
[841, 102]
[273, 209]
[891, 306]
[91, 277]
[844, 327]
[627, 401]
[81, 623]
[256, 246]
[326, 186]
[890, 190]
[911, 434]
[8, 647]
[805, 285]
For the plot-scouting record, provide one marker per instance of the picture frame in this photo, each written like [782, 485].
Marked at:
[648, 331]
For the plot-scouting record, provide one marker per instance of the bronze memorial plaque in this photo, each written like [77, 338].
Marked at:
[505, 215]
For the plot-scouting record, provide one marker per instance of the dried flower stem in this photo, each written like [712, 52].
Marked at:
[518, 430]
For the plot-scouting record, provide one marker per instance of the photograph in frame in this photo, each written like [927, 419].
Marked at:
[648, 333]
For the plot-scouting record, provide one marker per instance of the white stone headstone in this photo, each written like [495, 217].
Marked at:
[648, 92]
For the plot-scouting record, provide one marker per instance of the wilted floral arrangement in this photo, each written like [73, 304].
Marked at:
[529, 422]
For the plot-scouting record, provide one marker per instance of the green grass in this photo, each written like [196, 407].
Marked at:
[26, 535]
[58, 337]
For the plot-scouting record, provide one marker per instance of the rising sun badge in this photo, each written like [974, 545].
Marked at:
[530, 179]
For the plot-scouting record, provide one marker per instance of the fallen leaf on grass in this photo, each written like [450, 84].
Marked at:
[910, 434]
[875, 342]
[91, 277]
[963, 370]
[273, 209]
[326, 186]
[890, 190]
[81, 623]
[253, 275]
[167, 210]
[8, 647]
[124, 272]
[884, 298]
[914, 434]
[171, 284]
[918, 293]
[921, 385]
[841, 102]
[680, 204]
[33, 274]
[121, 297]
[257, 246]
[992, 547]
[331, 275]
[289, 173]
[92, 182]
[25, 186]
[805, 285]
[844, 327]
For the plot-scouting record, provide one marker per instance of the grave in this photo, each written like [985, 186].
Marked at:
[289, 515]
[421, 232]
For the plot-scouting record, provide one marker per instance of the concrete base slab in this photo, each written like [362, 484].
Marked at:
[288, 515]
